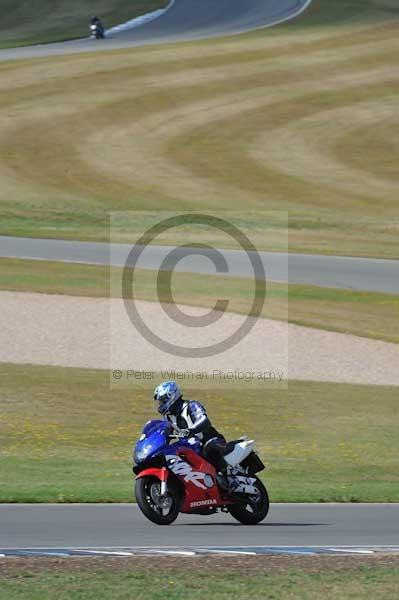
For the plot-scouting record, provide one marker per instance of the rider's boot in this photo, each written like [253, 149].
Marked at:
[226, 482]
[223, 482]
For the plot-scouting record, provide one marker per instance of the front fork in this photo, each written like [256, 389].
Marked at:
[160, 473]
[164, 485]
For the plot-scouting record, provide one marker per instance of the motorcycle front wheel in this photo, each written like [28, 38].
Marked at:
[148, 491]
[255, 509]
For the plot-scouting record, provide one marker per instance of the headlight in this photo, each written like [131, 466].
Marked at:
[140, 454]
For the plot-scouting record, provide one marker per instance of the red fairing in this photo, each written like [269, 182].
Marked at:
[199, 479]
[162, 474]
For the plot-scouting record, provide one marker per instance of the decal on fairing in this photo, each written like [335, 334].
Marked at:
[183, 469]
[202, 503]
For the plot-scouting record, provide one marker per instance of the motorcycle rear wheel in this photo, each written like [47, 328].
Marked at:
[252, 513]
[147, 505]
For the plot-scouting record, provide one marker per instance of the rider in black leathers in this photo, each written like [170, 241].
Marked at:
[189, 418]
[97, 22]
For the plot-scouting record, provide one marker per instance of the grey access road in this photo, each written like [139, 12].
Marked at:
[123, 525]
[375, 275]
[185, 20]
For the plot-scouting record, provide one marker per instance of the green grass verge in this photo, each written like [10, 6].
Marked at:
[360, 313]
[324, 13]
[377, 582]
[66, 436]
[41, 21]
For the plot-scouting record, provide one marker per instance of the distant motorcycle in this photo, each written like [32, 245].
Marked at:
[97, 31]
[173, 477]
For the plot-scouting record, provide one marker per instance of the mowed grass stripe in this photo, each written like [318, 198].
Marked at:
[27, 159]
[189, 126]
[218, 148]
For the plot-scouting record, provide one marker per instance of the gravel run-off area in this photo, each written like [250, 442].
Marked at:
[97, 333]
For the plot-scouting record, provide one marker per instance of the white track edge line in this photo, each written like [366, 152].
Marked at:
[140, 20]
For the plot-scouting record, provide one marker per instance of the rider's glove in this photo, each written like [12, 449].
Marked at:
[184, 432]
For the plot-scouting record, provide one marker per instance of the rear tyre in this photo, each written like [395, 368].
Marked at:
[147, 491]
[256, 508]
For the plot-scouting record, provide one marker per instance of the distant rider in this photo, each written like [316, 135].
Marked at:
[189, 418]
[97, 23]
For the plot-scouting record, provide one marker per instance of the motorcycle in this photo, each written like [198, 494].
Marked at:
[97, 31]
[172, 477]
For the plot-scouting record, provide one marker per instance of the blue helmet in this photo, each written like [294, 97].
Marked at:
[167, 393]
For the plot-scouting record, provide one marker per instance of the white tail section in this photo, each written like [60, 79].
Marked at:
[240, 452]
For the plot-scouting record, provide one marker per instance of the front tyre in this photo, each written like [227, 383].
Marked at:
[255, 509]
[148, 498]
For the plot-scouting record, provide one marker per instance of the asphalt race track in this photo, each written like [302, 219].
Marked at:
[123, 526]
[185, 20]
[375, 275]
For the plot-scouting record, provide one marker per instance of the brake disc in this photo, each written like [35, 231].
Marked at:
[155, 493]
[161, 501]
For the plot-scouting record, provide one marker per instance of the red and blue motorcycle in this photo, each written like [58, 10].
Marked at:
[172, 477]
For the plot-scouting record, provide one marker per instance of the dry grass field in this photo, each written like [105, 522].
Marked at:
[302, 117]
